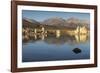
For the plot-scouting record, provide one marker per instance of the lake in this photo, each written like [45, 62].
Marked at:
[55, 47]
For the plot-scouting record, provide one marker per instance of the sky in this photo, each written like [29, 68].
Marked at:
[43, 15]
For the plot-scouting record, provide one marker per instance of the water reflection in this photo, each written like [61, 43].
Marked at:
[56, 37]
[51, 45]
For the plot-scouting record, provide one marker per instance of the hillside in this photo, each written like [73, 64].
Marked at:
[30, 23]
[55, 22]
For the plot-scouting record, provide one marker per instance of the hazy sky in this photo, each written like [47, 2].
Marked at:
[42, 15]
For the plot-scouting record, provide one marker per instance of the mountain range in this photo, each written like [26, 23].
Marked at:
[56, 21]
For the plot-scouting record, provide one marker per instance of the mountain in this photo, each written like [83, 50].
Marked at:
[70, 23]
[74, 22]
[30, 23]
[56, 21]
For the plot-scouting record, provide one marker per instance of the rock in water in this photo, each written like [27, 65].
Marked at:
[77, 50]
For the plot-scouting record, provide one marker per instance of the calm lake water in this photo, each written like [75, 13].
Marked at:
[53, 47]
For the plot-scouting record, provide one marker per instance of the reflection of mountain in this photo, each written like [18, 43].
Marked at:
[61, 40]
[54, 39]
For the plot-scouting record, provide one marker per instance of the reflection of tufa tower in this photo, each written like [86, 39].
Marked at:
[81, 37]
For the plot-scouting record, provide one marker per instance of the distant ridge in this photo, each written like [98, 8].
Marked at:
[56, 21]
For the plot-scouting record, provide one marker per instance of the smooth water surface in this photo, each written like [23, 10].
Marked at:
[55, 47]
